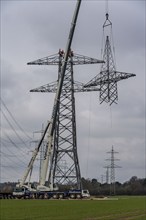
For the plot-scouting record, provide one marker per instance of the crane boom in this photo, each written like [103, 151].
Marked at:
[30, 165]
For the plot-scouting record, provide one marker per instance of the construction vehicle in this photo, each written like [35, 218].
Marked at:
[25, 193]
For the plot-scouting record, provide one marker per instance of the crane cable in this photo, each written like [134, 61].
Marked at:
[106, 6]
[112, 42]
[111, 125]
[107, 24]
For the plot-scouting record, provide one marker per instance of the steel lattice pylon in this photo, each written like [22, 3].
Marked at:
[108, 77]
[65, 140]
[108, 92]
[65, 144]
[112, 167]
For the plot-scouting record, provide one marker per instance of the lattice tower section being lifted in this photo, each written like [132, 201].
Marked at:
[108, 77]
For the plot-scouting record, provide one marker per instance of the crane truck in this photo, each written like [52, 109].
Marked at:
[28, 193]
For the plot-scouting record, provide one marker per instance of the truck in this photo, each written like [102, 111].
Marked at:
[28, 193]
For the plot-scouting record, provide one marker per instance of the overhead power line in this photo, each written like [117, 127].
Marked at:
[14, 130]
[15, 119]
[13, 143]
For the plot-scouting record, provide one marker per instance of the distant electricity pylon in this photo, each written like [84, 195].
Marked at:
[112, 166]
[107, 174]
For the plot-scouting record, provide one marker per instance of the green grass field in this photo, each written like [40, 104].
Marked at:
[123, 208]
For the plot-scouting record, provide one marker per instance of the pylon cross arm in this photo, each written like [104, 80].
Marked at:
[80, 59]
[49, 60]
[55, 60]
[107, 82]
[52, 87]
[104, 78]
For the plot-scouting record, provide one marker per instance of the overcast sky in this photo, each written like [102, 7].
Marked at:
[35, 29]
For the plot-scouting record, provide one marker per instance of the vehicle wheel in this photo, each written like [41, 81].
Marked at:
[72, 196]
[55, 196]
[32, 196]
[61, 196]
[41, 196]
[46, 196]
[78, 196]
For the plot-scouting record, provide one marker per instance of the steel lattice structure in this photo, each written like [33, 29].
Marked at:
[65, 140]
[112, 167]
[108, 77]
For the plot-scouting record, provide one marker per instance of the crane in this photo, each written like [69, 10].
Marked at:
[50, 127]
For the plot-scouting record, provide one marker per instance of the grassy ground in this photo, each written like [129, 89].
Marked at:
[130, 208]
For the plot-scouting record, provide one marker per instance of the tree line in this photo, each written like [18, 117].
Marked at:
[134, 186]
